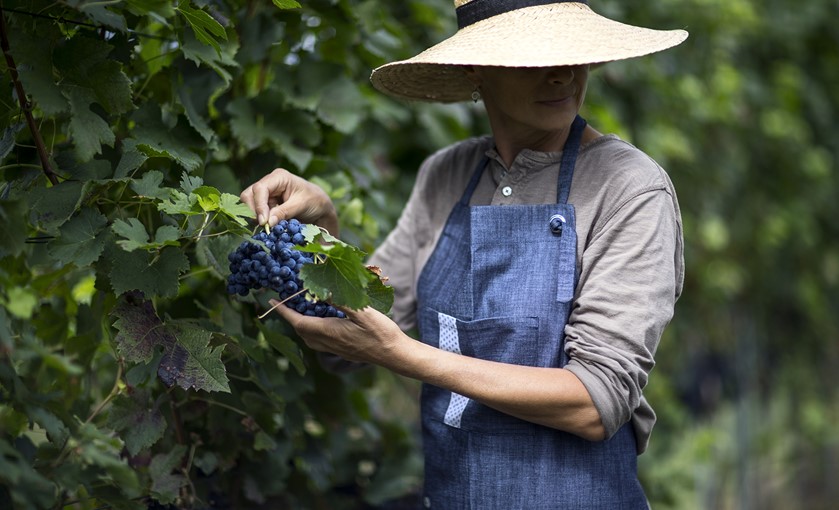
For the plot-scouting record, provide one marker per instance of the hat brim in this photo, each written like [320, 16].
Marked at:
[560, 34]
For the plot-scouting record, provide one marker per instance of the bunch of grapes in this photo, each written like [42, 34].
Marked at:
[278, 269]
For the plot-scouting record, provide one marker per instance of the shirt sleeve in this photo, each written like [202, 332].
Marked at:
[629, 281]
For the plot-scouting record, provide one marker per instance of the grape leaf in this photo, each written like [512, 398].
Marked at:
[381, 295]
[342, 270]
[212, 252]
[150, 274]
[138, 239]
[180, 203]
[285, 346]
[155, 139]
[165, 484]
[188, 360]
[133, 231]
[82, 239]
[287, 4]
[339, 105]
[32, 51]
[190, 183]
[141, 331]
[7, 141]
[131, 160]
[99, 14]
[140, 425]
[12, 226]
[203, 25]
[56, 204]
[88, 129]
[342, 278]
[24, 484]
[192, 363]
[150, 185]
[233, 208]
[84, 64]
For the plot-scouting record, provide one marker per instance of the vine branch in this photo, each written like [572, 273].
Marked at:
[25, 105]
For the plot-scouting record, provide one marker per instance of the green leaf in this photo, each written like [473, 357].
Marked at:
[149, 185]
[190, 183]
[342, 278]
[263, 442]
[203, 25]
[12, 226]
[99, 14]
[140, 425]
[212, 252]
[381, 295]
[341, 105]
[234, 209]
[286, 4]
[192, 363]
[285, 346]
[55, 205]
[82, 239]
[166, 484]
[26, 487]
[180, 203]
[155, 275]
[133, 231]
[88, 129]
[131, 160]
[32, 50]
[138, 239]
[155, 139]
[7, 141]
[140, 330]
[84, 63]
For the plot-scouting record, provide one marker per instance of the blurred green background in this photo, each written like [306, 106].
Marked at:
[743, 116]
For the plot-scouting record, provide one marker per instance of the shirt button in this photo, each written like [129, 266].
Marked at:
[507, 191]
[426, 502]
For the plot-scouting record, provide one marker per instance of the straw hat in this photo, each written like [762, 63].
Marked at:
[517, 33]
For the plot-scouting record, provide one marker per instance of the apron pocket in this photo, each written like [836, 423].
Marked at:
[512, 340]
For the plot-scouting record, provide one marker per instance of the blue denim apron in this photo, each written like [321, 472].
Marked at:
[499, 286]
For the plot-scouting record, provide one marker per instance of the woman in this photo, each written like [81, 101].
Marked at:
[540, 265]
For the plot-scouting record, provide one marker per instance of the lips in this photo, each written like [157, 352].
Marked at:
[555, 101]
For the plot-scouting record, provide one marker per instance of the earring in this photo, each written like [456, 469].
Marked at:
[476, 95]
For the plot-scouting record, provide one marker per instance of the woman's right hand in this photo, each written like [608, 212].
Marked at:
[283, 195]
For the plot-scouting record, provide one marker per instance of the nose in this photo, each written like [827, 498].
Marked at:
[561, 75]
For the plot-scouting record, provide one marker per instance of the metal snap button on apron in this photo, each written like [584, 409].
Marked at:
[556, 223]
[507, 191]
[426, 502]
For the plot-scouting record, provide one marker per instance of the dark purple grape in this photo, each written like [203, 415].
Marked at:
[278, 268]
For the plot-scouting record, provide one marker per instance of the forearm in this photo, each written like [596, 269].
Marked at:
[548, 396]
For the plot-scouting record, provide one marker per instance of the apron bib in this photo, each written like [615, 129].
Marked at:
[499, 286]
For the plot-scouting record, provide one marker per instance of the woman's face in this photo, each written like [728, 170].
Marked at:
[531, 101]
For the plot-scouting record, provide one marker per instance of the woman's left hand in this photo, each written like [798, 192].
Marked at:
[365, 336]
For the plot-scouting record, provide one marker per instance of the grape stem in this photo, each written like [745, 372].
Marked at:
[281, 302]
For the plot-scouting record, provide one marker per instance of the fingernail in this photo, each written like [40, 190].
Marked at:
[273, 220]
[273, 302]
[261, 219]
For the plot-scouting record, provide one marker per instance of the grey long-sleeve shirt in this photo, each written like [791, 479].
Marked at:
[629, 251]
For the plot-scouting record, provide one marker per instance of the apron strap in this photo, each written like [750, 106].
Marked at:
[569, 160]
[473, 182]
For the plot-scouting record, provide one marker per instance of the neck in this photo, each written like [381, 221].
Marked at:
[509, 144]
[508, 148]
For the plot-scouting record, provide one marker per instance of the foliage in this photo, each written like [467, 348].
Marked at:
[129, 378]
